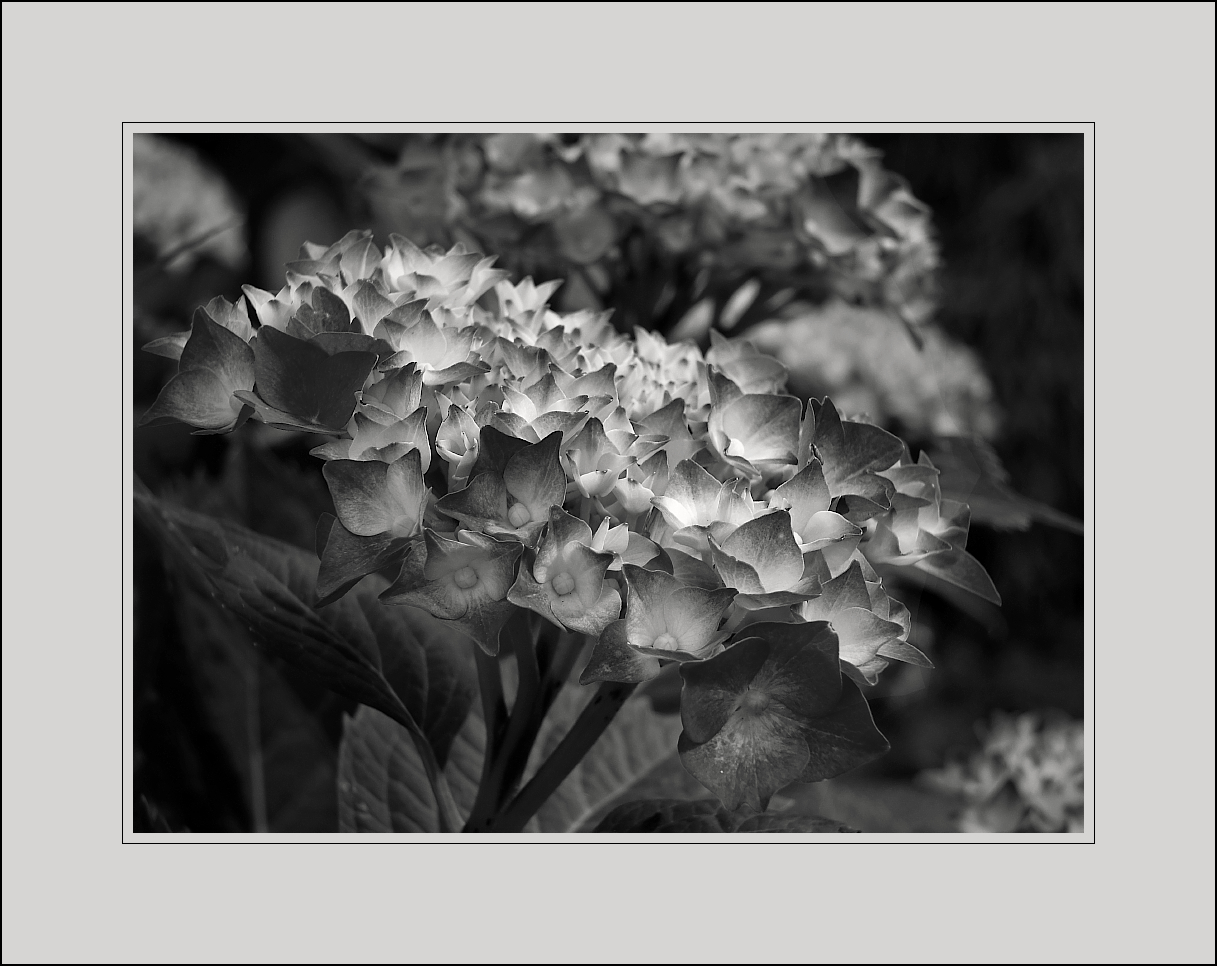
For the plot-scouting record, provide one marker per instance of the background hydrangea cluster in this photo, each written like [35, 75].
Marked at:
[1028, 776]
[794, 213]
[672, 505]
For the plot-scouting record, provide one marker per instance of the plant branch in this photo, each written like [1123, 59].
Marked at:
[494, 714]
[584, 733]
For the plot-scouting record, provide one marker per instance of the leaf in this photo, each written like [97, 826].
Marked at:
[353, 647]
[426, 662]
[286, 763]
[382, 784]
[971, 472]
[960, 569]
[675, 816]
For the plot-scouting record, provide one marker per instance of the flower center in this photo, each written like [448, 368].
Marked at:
[518, 515]
[753, 702]
[666, 642]
[465, 578]
[563, 584]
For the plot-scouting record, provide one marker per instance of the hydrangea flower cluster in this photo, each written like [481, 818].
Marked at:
[1027, 777]
[671, 505]
[802, 210]
[939, 389]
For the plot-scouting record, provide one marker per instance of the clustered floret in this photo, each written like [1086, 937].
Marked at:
[789, 208]
[497, 454]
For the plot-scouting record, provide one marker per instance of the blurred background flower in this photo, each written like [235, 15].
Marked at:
[183, 209]
[1026, 777]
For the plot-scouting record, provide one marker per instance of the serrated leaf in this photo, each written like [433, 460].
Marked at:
[224, 567]
[382, 785]
[354, 646]
[707, 817]
[286, 763]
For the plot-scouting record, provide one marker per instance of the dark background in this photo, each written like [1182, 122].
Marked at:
[1009, 215]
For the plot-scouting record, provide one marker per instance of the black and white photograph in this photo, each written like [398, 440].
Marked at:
[609, 483]
[614, 482]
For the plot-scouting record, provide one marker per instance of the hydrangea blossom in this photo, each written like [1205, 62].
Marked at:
[499, 455]
[801, 211]
[1028, 776]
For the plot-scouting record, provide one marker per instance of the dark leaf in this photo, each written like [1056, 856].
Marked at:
[286, 763]
[250, 575]
[382, 784]
[971, 472]
[960, 569]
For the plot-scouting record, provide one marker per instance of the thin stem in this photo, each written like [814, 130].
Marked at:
[494, 714]
[567, 650]
[586, 730]
[527, 714]
[507, 752]
[200, 239]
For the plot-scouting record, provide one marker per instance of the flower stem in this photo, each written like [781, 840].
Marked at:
[505, 759]
[494, 714]
[584, 733]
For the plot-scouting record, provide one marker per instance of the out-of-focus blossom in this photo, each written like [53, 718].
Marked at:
[1028, 776]
[812, 211]
[183, 207]
[849, 353]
